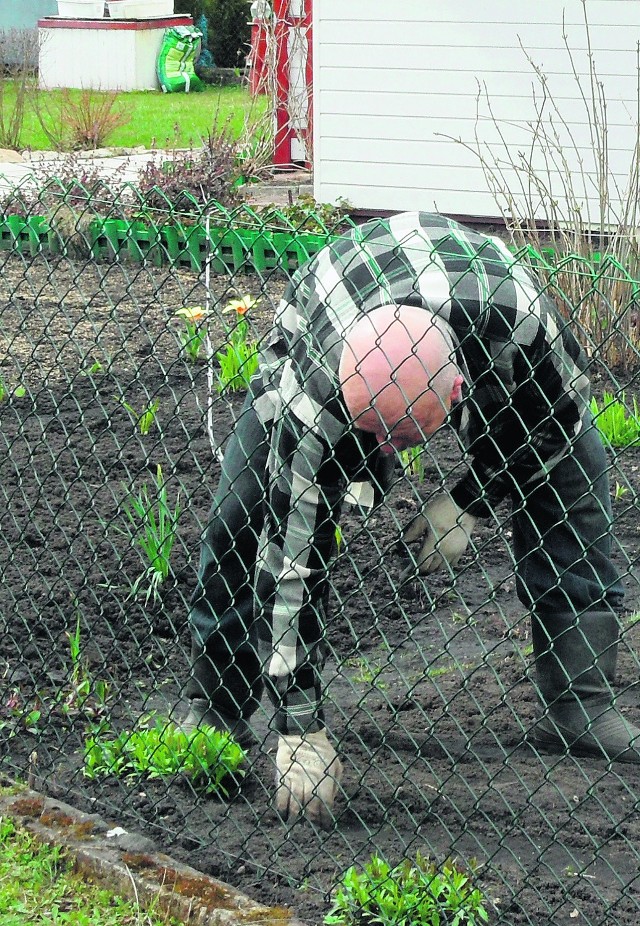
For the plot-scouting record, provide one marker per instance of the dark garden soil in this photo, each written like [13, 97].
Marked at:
[430, 684]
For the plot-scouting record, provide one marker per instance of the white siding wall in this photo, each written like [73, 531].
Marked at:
[393, 79]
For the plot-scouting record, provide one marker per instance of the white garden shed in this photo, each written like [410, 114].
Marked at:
[396, 82]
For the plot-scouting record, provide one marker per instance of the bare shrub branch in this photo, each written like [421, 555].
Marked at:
[566, 212]
[18, 80]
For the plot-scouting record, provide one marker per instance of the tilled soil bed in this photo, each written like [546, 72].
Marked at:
[430, 683]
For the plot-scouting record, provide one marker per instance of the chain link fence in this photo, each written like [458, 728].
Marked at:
[115, 325]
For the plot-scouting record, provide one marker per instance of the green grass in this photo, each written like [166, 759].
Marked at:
[38, 888]
[173, 119]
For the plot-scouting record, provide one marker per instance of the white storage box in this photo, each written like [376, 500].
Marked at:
[139, 9]
[81, 9]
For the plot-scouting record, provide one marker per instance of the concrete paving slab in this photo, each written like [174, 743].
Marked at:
[124, 166]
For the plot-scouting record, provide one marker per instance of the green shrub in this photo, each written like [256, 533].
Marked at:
[194, 8]
[305, 214]
[228, 27]
[410, 894]
[190, 179]
[229, 31]
[207, 757]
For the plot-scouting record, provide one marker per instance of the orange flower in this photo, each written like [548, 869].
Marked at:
[194, 313]
[241, 306]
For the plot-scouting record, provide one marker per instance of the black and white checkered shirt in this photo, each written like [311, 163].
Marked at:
[524, 397]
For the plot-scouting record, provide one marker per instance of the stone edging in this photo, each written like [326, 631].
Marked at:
[129, 865]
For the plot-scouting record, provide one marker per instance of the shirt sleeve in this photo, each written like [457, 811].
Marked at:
[545, 393]
[305, 488]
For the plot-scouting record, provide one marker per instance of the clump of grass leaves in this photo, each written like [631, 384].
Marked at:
[206, 757]
[617, 427]
[411, 894]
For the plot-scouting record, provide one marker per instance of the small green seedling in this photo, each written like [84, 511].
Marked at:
[620, 491]
[18, 393]
[617, 426]
[144, 419]
[206, 757]
[95, 367]
[155, 524]
[368, 672]
[411, 893]
[413, 462]
[83, 694]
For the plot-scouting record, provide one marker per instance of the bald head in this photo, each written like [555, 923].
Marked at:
[397, 376]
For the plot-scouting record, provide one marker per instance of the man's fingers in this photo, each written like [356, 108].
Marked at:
[317, 812]
[317, 807]
[287, 804]
[416, 529]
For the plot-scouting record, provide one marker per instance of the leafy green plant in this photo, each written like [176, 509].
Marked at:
[620, 491]
[305, 214]
[193, 335]
[155, 524]
[617, 427]
[410, 894]
[206, 757]
[239, 359]
[16, 715]
[238, 362]
[144, 420]
[96, 367]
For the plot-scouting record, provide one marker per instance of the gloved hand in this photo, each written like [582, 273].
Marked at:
[447, 528]
[307, 777]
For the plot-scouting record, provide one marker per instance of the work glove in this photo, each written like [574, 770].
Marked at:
[308, 773]
[447, 529]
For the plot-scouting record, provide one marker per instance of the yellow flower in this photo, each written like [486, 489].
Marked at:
[194, 313]
[241, 306]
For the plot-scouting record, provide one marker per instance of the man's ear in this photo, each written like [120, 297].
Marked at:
[456, 391]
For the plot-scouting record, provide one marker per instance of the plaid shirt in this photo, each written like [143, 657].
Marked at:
[524, 397]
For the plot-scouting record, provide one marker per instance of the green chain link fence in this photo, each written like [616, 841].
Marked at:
[115, 319]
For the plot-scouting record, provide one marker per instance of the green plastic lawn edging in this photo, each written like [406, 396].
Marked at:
[176, 244]
[229, 247]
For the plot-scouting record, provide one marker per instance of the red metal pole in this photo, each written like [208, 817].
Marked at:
[308, 23]
[282, 153]
[285, 21]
